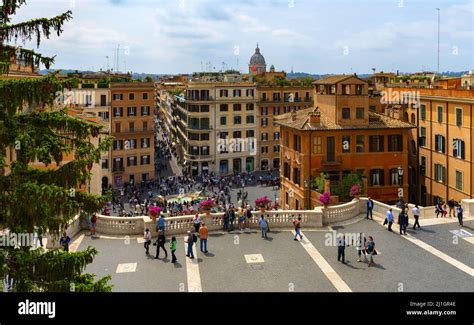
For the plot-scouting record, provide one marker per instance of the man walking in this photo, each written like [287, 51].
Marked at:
[341, 248]
[297, 224]
[389, 219]
[263, 226]
[452, 208]
[190, 242]
[161, 224]
[203, 234]
[459, 213]
[173, 249]
[147, 238]
[160, 243]
[370, 207]
[64, 241]
[403, 222]
[416, 215]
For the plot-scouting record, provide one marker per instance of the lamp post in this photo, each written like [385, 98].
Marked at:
[401, 204]
[306, 186]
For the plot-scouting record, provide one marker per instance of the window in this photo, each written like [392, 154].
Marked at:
[264, 111]
[297, 143]
[132, 111]
[296, 176]
[223, 120]
[145, 143]
[237, 120]
[395, 142]
[249, 93]
[117, 127]
[394, 177]
[359, 112]
[131, 161]
[237, 134]
[422, 141]
[237, 107]
[346, 113]
[204, 123]
[264, 149]
[264, 136]
[264, 122]
[132, 144]
[105, 164]
[276, 135]
[118, 144]
[413, 147]
[372, 108]
[205, 151]
[413, 118]
[276, 148]
[440, 114]
[193, 136]
[117, 97]
[237, 92]
[440, 173]
[224, 93]
[286, 170]
[145, 96]
[193, 108]
[376, 143]
[423, 112]
[360, 143]
[317, 145]
[224, 108]
[131, 96]
[118, 111]
[145, 160]
[250, 107]
[423, 166]
[204, 109]
[376, 177]
[250, 119]
[250, 133]
[204, 137]
[145, 110]
[459, 180]
[346, 144]
[458, 116]
[458, 148]
[440, 143]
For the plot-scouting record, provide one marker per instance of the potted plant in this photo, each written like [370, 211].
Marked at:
[263, 203]
[154, 211]
[206, 206]
[355, 191]
[324, 199]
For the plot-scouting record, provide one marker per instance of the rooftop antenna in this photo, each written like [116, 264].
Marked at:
[107, 57]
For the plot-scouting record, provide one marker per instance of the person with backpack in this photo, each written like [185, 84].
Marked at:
[263, 226]
[173, 245]
[147, 238]
[203, 235]
[190, 241]
[160, 243]
[297, 224]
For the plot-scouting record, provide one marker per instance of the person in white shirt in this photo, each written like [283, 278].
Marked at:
[147, 237]
[416, 215]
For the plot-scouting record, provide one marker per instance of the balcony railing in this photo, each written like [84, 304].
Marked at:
[334, 161]
[118, 169]
[199, 99]
[200, 128]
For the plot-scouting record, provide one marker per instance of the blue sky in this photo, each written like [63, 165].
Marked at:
[315, 36]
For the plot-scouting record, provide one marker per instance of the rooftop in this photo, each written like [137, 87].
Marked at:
[331, 80]
[302, 122]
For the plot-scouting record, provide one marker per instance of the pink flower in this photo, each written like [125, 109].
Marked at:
[207, 204]
[325, 198]
[263, 202]
[154, 210]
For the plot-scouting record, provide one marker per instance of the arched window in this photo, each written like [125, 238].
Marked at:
[405, 117]
[413, 118]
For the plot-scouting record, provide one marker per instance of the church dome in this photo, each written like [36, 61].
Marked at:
[257, 58]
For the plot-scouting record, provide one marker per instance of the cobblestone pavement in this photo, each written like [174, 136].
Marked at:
[425, 260]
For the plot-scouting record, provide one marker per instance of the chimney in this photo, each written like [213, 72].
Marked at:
[315, 116]
[293, 115]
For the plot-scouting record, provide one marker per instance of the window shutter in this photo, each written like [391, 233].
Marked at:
[462, 150]
[444, 174]
[381, 171]
[436, 142]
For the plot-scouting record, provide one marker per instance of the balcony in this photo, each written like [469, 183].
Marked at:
[335, 161]
[199, 99]
[118, 169]
[200, 128]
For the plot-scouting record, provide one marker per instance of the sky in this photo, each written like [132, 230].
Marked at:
[313, 36]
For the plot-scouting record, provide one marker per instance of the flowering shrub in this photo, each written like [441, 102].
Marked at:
[324, 199]
[154, 210]
[355, 190]
[263, 202]
[207, 204]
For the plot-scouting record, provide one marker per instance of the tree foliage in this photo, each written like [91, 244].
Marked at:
[34, 130]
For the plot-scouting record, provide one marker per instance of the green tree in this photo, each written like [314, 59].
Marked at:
[344, 188]
[31, 129]
[148, 79]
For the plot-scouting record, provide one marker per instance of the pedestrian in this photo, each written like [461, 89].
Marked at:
[371, 251]
[231, 218]
[341, 248]
[226, 220]
[173, 245]
[416, 215]
[263, 226]
[459, 213]
[161, 224]
[403, 221]
[147, 238]
[241, 218]
[297, 224]
[93, 224]
[361, 246]
[389, 219]
[203, 235]
[197, 222]
[370, 208]
[439, 209]
[190, 242]
[64, 241]
[160, 243]
[39, 236]
[452, 207]
[248, 212]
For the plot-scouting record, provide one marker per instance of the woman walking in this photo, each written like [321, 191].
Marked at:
[197, 222]
[160, 243]
[371, 250]
[147, 237]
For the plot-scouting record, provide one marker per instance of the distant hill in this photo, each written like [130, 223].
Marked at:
[366, 75]
[134, 74]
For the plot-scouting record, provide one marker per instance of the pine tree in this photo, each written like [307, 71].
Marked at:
[34, 130]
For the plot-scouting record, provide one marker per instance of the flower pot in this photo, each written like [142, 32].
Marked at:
[326, 205]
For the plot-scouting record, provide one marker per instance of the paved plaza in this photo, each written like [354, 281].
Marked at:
[427, 260]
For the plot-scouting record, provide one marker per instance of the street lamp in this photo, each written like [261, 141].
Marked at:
[307, 200]
[401, 204]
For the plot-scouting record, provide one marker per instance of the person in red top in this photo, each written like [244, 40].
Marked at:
[297, 224]
[203, 235]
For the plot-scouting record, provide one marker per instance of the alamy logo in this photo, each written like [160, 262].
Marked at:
[37, 308]
[232, 145]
